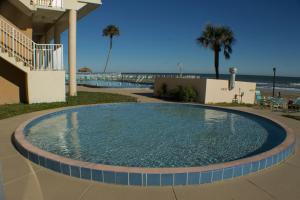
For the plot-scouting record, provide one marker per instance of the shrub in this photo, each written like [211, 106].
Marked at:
[163, 91]
[181, 93]
[190, 94]
[176, 93]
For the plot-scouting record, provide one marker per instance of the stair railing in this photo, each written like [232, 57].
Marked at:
[36, 56]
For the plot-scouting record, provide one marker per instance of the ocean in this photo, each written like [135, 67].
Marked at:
[266, 82]
[263, 82]
[291, 84]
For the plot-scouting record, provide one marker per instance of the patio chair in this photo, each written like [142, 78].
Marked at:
[260, 100]
[297, 104]
[278, 104]
[294, 105]
[258, 96]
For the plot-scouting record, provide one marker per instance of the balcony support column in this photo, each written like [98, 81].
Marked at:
[72, 52]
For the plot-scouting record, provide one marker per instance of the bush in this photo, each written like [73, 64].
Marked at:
[163, 91]
[181, 93]
[190, 94]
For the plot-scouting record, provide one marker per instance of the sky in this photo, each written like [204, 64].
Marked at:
[158, 34]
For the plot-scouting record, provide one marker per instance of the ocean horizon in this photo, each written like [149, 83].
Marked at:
[283, 83]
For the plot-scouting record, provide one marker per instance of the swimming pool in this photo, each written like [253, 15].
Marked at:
[114, 84]
[153, 143]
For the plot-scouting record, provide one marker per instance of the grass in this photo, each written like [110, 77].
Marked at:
[83, 98]
[292, 117]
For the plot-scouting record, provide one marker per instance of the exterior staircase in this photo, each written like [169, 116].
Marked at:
[20, 51]
[29, 72]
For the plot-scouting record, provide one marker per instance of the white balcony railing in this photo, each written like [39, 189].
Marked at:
[48, 3]
[33, 55]
[48, 56]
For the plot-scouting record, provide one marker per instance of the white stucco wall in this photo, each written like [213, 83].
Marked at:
[46, 86]
[217, 91]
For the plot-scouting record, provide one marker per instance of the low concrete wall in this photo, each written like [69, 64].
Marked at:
[46, 86]
[172, 83]
[211, 90]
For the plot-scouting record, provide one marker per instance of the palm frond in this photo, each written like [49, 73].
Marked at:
[226, 55]
[111, 31]
[228, 49]
[203, 41]
[217, 38]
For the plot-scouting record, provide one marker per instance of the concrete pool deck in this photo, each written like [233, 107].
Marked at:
[23, 179]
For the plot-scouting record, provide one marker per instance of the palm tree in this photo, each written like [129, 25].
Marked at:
[110, 31]
[217, 38]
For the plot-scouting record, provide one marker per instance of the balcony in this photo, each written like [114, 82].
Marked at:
[47, 3]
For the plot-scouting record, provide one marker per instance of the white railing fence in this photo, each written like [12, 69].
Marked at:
[36, 56]
[15, 43]
[48, 57]
[48, 3]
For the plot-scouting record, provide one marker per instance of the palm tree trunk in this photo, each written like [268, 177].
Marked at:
[108, 56]
[217, 62]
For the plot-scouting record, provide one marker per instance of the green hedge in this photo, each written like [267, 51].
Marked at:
[180, 93]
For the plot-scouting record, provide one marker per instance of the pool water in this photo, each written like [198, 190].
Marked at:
[114, 84]
[153, 134]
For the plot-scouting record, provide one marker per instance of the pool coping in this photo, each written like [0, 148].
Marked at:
[157, 176]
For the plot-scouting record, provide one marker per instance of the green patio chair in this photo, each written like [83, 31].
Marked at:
[297, 104]
[260, 100]
[277, 104]
[258, 96]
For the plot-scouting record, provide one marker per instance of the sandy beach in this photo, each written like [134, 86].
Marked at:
[284, 93]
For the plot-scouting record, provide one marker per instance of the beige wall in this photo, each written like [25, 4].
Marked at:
[46, 86]
[16, 17]
[12, 84]
[211, 90]
[218, 91]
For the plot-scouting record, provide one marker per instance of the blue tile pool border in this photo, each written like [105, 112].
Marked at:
[158, 176]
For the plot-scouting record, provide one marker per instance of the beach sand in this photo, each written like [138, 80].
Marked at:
[284, 93]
